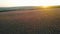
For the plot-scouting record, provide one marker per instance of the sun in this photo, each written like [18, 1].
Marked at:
[45, 6]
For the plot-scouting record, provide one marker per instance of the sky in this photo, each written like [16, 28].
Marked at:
[12, 3]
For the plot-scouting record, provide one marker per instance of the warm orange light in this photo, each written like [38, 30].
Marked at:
[45, 6]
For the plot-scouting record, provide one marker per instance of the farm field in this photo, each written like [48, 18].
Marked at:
[43, 21]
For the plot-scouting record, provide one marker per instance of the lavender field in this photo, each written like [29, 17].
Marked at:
[43, 21]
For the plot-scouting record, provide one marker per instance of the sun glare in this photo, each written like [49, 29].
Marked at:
[45, 6]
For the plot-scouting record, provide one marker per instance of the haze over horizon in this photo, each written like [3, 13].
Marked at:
[12, 3]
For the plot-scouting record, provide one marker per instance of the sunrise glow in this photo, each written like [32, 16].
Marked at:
[45, 6]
